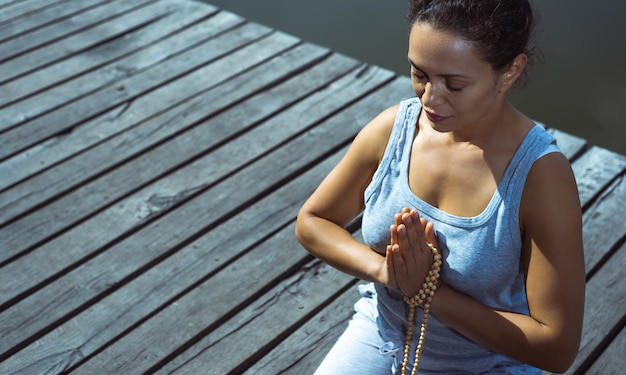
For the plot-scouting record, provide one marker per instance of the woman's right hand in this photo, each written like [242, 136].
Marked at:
[409, 257]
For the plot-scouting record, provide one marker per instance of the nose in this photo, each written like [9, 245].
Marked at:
[432, 95]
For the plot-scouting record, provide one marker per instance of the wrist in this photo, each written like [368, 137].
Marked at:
[438, 300]
[378, 272]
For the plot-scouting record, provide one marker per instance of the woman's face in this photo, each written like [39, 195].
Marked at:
[457, 88]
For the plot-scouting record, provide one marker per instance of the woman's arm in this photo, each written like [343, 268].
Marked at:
[321, 222]
[555, 278]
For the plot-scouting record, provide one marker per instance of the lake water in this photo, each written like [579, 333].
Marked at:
[580, 87]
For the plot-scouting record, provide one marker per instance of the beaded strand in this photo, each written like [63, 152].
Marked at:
[423, 297]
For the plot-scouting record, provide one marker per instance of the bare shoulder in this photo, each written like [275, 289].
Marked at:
[550, 199]
[552, 172]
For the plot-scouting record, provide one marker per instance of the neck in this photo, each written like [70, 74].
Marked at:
[502, 128]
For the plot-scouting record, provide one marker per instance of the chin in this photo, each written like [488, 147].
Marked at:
[441, 127]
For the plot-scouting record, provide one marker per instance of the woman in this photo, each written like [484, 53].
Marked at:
[460, 170]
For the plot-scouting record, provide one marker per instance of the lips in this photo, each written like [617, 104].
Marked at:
[435, 117]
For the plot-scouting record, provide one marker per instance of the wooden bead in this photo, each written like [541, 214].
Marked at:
[423, 297]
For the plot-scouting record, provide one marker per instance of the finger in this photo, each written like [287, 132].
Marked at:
[420, 223]
[407, 251]
[431, 235]
[394, 234]
[398, 216]
[407, 242]
[399, 266]
[426, 224]
[415, 231]
[391, 273]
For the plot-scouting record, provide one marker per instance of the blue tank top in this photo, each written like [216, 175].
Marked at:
[481, 254]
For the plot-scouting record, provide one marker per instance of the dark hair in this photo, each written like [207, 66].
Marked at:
[499, 29]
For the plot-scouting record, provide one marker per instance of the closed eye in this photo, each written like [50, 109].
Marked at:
[455, 89]
[418, 74]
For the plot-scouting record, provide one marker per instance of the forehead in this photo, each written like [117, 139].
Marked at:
[443, 51]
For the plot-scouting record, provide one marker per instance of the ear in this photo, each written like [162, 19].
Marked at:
[513, 71]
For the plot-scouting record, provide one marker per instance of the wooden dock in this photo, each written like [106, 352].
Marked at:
[153, 157]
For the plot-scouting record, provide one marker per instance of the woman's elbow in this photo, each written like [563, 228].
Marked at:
[558, 365]
[301, 230]
[561, 358]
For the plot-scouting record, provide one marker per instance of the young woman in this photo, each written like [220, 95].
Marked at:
[460, 173]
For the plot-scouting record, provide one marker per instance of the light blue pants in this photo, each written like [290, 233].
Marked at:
[359, 350]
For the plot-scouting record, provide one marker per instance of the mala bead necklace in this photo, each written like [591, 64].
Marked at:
[423, 298]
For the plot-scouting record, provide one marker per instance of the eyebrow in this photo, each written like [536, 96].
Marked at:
[440, 75]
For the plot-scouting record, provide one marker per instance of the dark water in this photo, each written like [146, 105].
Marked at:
[580, 87]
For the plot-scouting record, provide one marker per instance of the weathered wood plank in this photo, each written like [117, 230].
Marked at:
[87, 38]
[137, 64]
[103, 191]
[304, 350]
[88, 134]
[180, 16]
[46, 16]
[212, 49]
[101, 33]
[75, 245]
[148, 202]
[594, 170]
[5, 3]
[64, 119]
[263, 322]
[612, 360]
[18, 9]
[166, 281]
[43, 29]
[604, 225]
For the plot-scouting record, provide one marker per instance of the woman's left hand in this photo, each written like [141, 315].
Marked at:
[409, 257]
